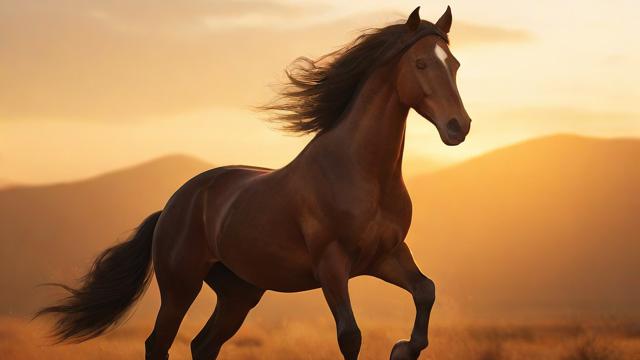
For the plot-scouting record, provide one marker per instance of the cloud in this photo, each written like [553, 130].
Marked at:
[172, 15]
[235, 8]
[476, 33]
[110, 60]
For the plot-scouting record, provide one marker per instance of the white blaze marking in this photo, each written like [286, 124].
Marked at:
[442, 55]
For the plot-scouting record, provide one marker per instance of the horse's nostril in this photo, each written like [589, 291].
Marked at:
[453, 126]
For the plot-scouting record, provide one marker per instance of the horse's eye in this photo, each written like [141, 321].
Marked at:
[421, 64]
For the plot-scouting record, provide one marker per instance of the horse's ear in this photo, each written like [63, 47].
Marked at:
[444, 23]
[414, 20]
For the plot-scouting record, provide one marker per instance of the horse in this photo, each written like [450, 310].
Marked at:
[338, 210]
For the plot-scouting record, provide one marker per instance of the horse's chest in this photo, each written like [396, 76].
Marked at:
[376, 237]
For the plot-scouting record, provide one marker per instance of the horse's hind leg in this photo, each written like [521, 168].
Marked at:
[176, 298]
[236, 298]
[180, 270]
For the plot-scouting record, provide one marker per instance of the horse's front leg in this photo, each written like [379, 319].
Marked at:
[332, 271]
[400, 269]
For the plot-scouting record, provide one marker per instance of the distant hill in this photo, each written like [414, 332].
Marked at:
[51, 233]
[545, 227]
[548, 225]
[5, 183]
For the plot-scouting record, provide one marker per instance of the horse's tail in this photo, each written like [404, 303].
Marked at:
[118, 277]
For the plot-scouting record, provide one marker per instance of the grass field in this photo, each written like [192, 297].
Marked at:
[22, 340]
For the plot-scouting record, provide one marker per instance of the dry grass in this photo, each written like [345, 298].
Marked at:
[591, 348]
[21, 340]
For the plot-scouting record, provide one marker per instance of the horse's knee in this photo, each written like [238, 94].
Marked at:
[420, 343]
[424, 293]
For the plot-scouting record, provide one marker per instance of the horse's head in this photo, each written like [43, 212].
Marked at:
[427, 81]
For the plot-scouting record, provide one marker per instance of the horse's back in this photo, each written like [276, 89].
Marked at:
[221, 190]
[197, 208]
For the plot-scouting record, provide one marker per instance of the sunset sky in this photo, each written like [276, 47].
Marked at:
[90, 86]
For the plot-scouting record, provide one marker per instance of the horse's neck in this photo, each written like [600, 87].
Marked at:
[374, 128]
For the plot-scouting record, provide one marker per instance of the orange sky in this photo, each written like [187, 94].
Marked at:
[92, 86]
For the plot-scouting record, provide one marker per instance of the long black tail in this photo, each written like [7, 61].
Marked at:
[118, 277]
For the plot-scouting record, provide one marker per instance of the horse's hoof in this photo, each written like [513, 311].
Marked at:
[403, 350]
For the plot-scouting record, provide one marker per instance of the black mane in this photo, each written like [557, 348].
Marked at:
[320, 90]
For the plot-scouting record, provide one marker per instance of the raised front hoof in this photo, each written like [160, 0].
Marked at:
[403, 350]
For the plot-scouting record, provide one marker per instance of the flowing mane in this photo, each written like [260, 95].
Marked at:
[320, 90]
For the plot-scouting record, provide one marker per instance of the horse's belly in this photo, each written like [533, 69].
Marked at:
[269, 262]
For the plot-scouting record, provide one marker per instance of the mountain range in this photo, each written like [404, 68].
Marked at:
[547, 227]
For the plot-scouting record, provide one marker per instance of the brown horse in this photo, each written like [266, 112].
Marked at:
[340, 209]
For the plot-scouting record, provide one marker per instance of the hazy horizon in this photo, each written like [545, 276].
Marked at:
[413, 166]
